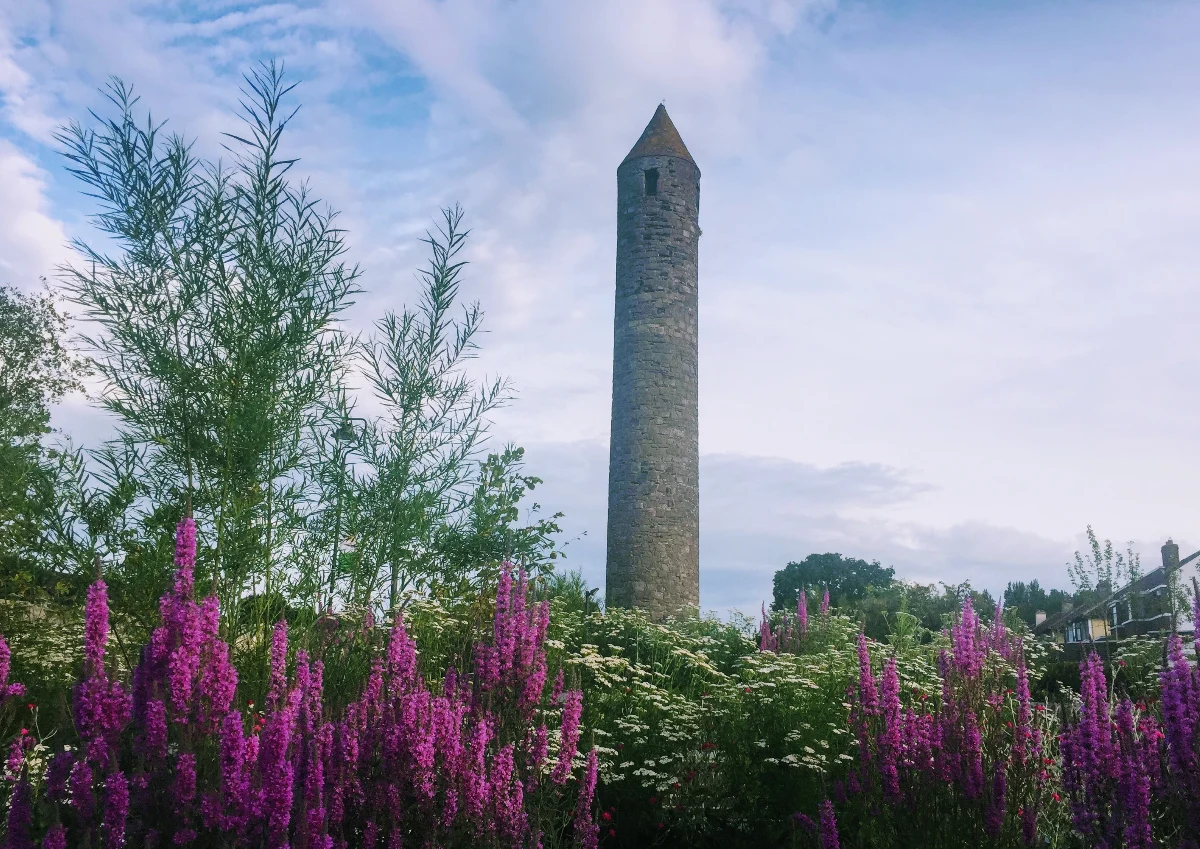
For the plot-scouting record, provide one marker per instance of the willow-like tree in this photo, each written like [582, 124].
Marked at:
[217, 305]
[217, 346]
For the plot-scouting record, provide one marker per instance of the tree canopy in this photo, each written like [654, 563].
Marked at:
[36, 371]
[848, 579]
[1029, 598]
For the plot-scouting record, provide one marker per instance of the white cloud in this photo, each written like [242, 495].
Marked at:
[32, 241]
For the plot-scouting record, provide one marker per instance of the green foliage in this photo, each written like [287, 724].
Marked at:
[487, 531]
[696, 729]
[568, 590]
[869, 594]
[220, 353]
[419, 453]
[218, 341]
[847, 579]
[1134, 665]
[1029, 598]
[36, 371]
[931, 605]
[1102, 570]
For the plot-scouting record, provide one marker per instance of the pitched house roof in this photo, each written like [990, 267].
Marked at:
[1149, 581]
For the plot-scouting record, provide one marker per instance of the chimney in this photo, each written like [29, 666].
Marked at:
[1170, 557]
[1039, 618]
[1068, 606]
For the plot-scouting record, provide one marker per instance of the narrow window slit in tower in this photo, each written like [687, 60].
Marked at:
[651, 181]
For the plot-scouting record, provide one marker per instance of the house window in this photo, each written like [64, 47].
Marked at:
[651, 181]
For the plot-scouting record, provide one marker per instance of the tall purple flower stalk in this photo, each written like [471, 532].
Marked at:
[890, 740]
[766, 640]
[7, 688]
[954, 753]
[1179, 699]
[968, 648]
[20, 817]
[572, 711]
[828, 826]
[994, 815]
[1133, 783]
[116, 810]
[587, 831]
[1108, 763]
[867, 694]
[101, 706]
[405, 759]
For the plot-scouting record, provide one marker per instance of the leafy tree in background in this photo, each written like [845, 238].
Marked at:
[1029, 598]
[930, 606]
[848, 579]
[36, 371]
[1103, 570]
[870, 594]
[487, 529]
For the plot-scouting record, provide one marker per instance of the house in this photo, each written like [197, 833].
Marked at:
[1141, 608]
[1085, 624]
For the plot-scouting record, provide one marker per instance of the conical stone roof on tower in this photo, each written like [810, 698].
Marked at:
[653, 472]
[660, 138]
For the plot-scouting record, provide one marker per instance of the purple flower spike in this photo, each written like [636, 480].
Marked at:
[7, 689]
[572, 711]
[20, 817]
[116, 810]
[587, 830]
[56, 838]
[829, 832]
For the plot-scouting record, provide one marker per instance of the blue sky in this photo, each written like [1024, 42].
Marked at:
[949, 263]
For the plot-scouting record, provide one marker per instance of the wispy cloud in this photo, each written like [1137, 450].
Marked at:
[31, 238]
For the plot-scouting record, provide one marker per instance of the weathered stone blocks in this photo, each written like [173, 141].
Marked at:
[654, 497]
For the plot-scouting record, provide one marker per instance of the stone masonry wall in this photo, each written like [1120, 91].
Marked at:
[654, 475]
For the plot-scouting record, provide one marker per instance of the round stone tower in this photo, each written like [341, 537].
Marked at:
[654, 453]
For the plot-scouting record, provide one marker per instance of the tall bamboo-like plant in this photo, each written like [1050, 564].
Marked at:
[217, 345]
[419, 453]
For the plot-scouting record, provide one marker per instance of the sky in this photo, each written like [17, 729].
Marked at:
[947, 271]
